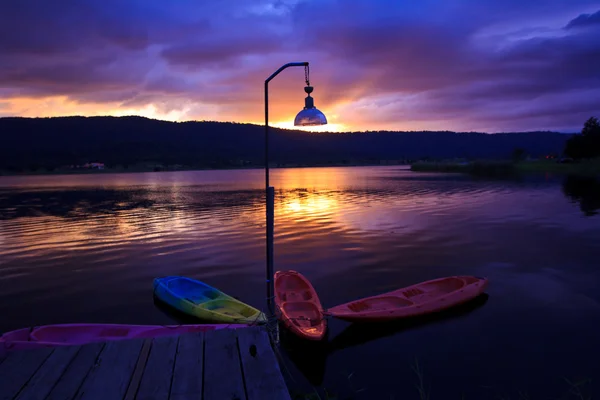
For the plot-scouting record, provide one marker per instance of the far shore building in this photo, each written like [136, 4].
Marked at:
[93, 165]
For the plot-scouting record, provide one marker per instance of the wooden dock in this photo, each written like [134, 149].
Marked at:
[227, 364]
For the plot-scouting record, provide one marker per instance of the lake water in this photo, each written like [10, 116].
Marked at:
[85, 248]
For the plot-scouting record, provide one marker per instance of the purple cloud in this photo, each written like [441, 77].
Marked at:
[584, 20]
[434, 60]
[488, 65]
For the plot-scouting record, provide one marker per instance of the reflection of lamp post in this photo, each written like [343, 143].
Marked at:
[307, 117]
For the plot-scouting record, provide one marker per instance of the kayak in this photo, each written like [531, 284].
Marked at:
[203, 301]
[298, 305]
[423, 298]
[77, 334]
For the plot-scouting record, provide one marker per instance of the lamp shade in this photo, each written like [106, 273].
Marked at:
[310, 115]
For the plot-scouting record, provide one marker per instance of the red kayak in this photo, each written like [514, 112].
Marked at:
[423, 298]
[298, 305]
[75, 334]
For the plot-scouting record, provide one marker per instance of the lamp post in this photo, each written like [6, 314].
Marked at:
[309, 116]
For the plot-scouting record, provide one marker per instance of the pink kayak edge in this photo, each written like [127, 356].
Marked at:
[78, 334]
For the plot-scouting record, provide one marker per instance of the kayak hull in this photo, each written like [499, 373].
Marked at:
[78, 334]
[200, 300]
[298, 306]
[420, 299]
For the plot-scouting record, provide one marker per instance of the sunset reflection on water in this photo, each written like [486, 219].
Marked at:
[88, 213]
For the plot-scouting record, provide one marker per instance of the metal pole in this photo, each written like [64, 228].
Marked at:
[270, 229]
[270, 193]
[270, 206]
[267, 134]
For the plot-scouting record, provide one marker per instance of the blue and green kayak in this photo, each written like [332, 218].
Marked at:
[203, 301]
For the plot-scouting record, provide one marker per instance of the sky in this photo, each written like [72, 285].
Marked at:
[476, 65]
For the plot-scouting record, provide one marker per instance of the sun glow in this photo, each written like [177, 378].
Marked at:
[59, 106]
[319, 128]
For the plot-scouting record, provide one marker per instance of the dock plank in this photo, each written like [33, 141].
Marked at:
[261, 371]
[222, 372]
[48, 374]
[76, 371]
[138, 371]
[110, 376]
[17, 369]
[156, 380]
[187, 374]
[228, 364]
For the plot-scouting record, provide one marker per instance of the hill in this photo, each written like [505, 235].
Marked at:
[34, 143]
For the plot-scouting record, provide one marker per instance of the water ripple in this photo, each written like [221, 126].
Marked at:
[74, 249]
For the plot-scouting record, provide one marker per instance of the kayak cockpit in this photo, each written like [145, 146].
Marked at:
[379, 303]
[231, 308]
[193, 291]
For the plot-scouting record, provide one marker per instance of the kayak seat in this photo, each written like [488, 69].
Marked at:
[379, 303]
[202, 297]
[412, 292]
[303, 314]
[304, 295]
[211, 294]
[307, 295]
[306, 322]
[444, 286]
[229, 307]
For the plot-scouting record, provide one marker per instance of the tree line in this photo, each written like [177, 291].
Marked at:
[30, 144]
[586, 144]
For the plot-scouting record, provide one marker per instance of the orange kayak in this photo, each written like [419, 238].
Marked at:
[298, 305]
[423, 298]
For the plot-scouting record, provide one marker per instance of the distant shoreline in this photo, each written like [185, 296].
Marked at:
[151, 169]
[505, 168]
[41, 146]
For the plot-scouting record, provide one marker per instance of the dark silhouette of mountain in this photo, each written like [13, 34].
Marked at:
[33, 143]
